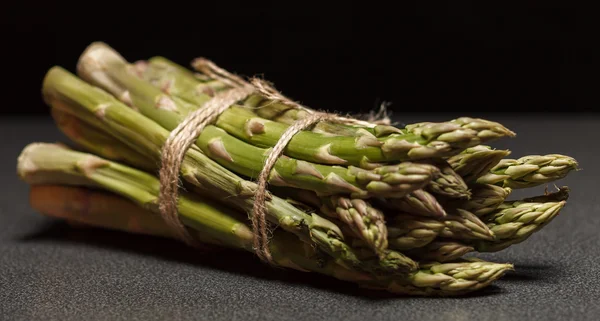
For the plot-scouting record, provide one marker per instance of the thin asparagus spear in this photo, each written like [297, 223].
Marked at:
[104, 67]
[514, 222]
[361, 217]
[407, 232]
[529, 171]
[449, 278]
[476, 161]
[463, 225]
[365, 221]
[485, 198]
[419, 202]
[441, 251]
[110, 211]
[447, 182]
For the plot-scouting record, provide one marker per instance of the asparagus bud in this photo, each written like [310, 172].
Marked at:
[475, 162]
[529, 171]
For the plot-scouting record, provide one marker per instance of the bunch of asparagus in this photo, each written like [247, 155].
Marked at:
[385, 207]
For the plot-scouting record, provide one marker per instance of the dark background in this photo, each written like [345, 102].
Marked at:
[350, 57]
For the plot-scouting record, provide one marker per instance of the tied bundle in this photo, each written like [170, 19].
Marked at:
[219, 162]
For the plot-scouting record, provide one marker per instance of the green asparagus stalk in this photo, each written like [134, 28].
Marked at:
[64, 91]
[448, 183]
[441, 251]
[104, 67]
[407, 232]
[366, 222]
[463, 225]
[529, 171]
[476, 161]
[485, 198]
[419, 202]
[514, 222]
[99, 209]
[449, 278]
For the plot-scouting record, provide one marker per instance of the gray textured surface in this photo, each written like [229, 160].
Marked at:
[49, 272]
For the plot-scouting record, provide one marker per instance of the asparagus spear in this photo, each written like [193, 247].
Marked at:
[407, 232]
[514, 222]
[62, 90]
[365, 221]
[441, 251]
[113, 212]
[448, 183]
[418, 202]
[104, 67]
[449, 278]
[476, 161]
[529, 171]
[463, 225]
[485, 198]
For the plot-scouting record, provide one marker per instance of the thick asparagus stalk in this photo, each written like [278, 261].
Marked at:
[419, 202]
[364, 220]
[485, 198]
[441, 251]
[514, 222]
[475, 162]
[529, 171]
[104, 67]
[110, 211]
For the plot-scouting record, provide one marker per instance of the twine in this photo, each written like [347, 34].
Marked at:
[182, 137]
